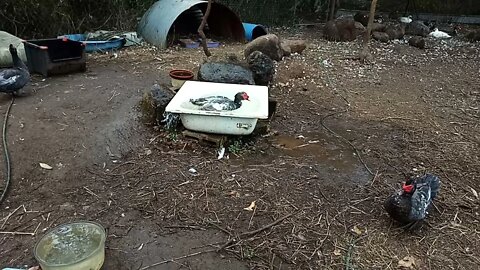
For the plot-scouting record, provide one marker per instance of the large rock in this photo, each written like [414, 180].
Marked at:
[285, 49]
[378, 27]
[220, 72]
[417, 28]
[267, 44]
[262, 66]
[340, 30]
[417, 41]
[295, 46]
[381, 36]
[473, 35]
[360, 28]
[395, 31]
[153, 104]
[362, 17]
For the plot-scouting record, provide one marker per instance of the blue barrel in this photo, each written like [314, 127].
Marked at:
[252, 31]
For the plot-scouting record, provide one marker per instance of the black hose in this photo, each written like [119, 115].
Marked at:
[5, 151]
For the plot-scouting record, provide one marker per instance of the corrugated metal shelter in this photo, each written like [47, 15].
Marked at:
[167, 20]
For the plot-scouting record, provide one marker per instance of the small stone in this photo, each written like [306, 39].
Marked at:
[381, 36]
[417, 41]
[67, 207]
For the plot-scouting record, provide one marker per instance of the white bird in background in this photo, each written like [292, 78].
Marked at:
[406, 19]
[439, 34]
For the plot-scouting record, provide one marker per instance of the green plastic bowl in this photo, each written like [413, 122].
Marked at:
[77, 245]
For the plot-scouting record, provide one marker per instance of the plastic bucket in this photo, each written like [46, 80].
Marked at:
[253, 31]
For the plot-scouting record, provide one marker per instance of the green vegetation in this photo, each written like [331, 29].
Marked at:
[48, 18]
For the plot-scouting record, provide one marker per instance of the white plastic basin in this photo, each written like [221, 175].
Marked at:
[241, 121]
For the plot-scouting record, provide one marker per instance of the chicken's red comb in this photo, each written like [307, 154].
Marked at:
[407, 188]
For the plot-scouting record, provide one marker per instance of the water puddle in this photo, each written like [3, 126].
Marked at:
[331, 156]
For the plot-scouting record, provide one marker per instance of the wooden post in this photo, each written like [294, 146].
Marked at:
[202, 26]
[365, 53]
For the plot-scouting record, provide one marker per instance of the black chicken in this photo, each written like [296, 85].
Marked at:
[410, 204]
[220, 103]
[15, 78]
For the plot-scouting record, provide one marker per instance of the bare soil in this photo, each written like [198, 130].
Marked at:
[344, 135]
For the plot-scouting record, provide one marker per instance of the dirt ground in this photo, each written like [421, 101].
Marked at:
[344, 135]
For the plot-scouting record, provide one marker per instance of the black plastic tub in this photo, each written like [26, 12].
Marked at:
[55, 56]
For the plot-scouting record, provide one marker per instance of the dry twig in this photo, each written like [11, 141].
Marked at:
[202, 26]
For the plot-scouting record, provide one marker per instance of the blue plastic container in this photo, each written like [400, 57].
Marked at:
[252, 31]
[97, 45]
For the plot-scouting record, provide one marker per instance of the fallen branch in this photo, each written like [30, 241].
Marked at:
[228, 243]
[7, 217]
[202, 26]
[177, 258]
[254, 232]
[19, 233]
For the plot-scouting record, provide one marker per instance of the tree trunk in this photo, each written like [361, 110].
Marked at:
[332, 5]
[202, 26]
[365, 51]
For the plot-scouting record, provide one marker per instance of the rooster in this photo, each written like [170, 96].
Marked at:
[410, 204]
[15, 78]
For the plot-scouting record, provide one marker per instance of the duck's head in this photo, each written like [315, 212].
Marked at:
[242, 96]
[408, 186]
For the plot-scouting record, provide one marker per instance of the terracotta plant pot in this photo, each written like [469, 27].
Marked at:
[179, 76]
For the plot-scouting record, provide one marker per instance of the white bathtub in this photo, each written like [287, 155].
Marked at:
[241, 121]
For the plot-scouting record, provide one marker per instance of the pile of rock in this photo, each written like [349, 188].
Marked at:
[386, 33]
[343, 30]
[259, 67]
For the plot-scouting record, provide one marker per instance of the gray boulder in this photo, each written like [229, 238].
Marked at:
[153, 104]
[262, 66]
[341, 30]
[286, 49]
[378, 27]
[295, 45]
[417, 41]
[220, 72]
[267, 44]
[395, 31]
[362, 17]
[417, 28]
[473, 35]
[381, 36]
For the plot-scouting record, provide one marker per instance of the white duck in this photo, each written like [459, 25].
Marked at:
[439, 34]
[406, 19]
